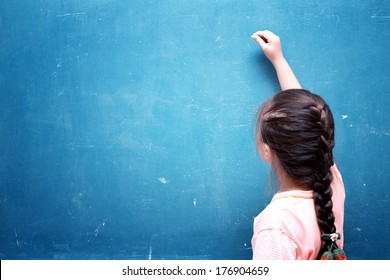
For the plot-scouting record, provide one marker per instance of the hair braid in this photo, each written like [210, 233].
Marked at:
[323, 176]
[298, 126]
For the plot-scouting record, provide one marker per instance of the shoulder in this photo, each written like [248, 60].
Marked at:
[287, 212]
[271, 217]
[292, 213]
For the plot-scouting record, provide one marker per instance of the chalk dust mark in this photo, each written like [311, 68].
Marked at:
[150, 253]
[163, 180]
[193, 17]
[59, 63]
[16, 236]
[85, 146]
[239, 125]
[380, 15]
[102, 224]
[366, 129]
[71, 14]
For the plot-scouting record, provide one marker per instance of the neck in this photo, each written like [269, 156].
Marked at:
[286, 183]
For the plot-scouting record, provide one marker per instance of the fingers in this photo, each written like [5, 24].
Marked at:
[261, 39]
[265, 36]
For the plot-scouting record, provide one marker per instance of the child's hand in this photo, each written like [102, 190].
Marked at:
[270, 44]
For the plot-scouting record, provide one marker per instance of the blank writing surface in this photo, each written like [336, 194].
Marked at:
[127, 127]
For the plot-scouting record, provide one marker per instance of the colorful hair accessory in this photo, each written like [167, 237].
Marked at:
[333, 252]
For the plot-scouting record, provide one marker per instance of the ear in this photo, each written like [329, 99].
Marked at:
[267, 154]
[264, 151]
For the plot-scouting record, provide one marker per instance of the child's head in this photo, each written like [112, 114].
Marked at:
[295, 133]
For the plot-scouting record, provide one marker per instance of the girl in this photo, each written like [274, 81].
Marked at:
[295, 134]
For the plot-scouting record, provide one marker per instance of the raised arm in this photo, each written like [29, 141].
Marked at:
[272, 48]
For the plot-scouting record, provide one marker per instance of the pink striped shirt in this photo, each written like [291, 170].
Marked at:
[287, 228]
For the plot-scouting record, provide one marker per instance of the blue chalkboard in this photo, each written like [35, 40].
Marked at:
[127, 126]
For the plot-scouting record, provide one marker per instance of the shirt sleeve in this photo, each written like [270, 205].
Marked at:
[338, 199]
[273, 244]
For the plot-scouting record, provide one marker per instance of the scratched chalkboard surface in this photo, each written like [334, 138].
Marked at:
[127, 126]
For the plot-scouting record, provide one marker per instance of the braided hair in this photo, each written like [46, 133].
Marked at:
[298, 127]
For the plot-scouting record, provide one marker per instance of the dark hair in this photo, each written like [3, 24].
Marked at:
[298, 127]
